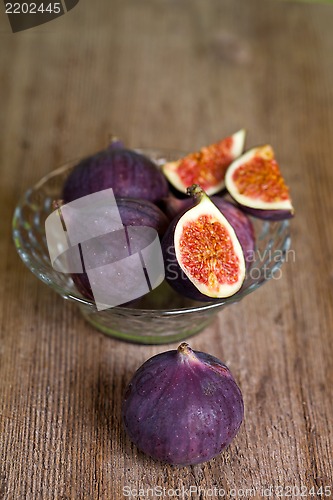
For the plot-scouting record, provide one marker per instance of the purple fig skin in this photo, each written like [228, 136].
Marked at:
[182, 407]
[132, 213]
[273, 215]
[142, 213]
[129, 174]
[173, 206]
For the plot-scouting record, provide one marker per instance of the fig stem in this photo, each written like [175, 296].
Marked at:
[57, 204]
[114, 143]
[186, 353]
[195, 191]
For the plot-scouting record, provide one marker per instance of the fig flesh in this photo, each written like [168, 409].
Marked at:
[203, 257]
[240, 222]
[255, 182]
[182, 407]
[132, 213]
[128, 173]
[206, 167]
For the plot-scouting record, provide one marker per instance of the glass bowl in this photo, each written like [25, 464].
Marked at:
[159, 317]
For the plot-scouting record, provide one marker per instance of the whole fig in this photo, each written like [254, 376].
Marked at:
[182, 407]
[129, 173]
[133, 213]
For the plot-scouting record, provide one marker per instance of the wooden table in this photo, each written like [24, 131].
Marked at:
[172, 74]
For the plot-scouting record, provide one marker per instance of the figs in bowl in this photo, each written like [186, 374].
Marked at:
[162, 315]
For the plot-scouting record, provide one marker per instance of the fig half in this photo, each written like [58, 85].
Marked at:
[255, 182]
[239, 220]
[204, 259]
[206, 167]
[182, 407]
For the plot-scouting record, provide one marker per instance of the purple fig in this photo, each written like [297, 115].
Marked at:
[255, 182]
[132, 213]
[182, 407]
[128, 173]
[203, 256]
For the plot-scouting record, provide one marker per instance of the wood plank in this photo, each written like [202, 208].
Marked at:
[175, 75]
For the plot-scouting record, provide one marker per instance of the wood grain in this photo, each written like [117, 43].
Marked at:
[172, 74]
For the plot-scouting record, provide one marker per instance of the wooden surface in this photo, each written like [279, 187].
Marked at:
[173, 74]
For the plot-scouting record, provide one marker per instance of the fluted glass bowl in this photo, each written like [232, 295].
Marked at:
[159, 317]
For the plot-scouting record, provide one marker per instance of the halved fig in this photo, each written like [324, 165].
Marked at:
[206, 167]
[204, 259]
[239, 220]
[255, 182]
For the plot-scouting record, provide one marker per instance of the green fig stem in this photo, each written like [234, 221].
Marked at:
[57, 204]
[112, 138]
[195, 191]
